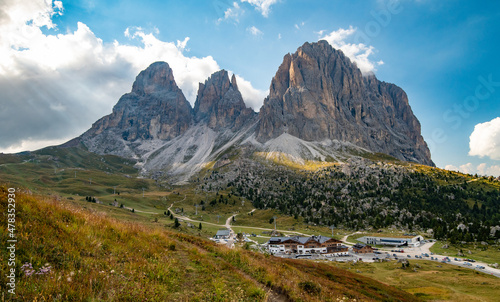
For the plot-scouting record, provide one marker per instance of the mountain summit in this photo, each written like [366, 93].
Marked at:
[219, 103]
[318, 93]
[320, 107]
[155, 109]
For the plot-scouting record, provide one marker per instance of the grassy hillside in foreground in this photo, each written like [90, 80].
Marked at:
[432, 281]
[94, 257]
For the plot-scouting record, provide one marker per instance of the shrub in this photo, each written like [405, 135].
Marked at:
[310, 287]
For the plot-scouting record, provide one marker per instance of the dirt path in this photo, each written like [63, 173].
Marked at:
[139, 211]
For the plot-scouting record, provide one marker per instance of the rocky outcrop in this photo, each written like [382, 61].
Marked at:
[319, 107]
[318, 93]
[155, 108]
[219, 103]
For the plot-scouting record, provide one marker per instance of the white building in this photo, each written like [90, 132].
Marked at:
[393, 241]
[306, 245]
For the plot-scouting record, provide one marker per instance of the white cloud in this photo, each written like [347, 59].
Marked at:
[56, 86]
[32, 145]
[301, 24]
[485, 140]
[467, 168]
[493, 170]
[254, 31]
[253, 98]
[264, 6]
[232, 13]
[359, 53]
[451, 168]
[482, 169]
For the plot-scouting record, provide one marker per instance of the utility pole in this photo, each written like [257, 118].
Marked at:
[332, 227]
[274, 217]
[142, 192]
[218, 216]
[196, 206]
[114, 190]
[90, 180]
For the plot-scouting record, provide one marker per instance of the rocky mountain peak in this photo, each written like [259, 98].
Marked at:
[155, 109]
[319, 106]
[157, 77]
[318, 93]
[233, 82]
[219, 102]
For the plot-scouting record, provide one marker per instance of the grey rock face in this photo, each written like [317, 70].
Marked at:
[318, 93]
[219, 103]
[155, 108]
[319, 107]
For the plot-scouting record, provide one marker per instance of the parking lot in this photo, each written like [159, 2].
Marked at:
[414, 253]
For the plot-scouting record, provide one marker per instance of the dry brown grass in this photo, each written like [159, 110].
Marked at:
[98, 258]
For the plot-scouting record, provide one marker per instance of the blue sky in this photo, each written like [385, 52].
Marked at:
[65, 63]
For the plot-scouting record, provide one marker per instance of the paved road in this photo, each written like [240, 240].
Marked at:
[425, 248]
[344, 239]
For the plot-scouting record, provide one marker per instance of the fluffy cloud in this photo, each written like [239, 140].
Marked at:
[481, 169]
[254, 31]
[55, 86]
[264, 6]
[485, 140]
[359, 53]
[253, 97]
[232, 13]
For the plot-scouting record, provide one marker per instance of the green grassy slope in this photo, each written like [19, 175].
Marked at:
[97, 258]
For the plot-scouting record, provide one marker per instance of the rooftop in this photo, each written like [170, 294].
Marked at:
[358, 246]
[301, 240]
[223, 232]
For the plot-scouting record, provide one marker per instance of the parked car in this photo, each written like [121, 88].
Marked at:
[408, 256]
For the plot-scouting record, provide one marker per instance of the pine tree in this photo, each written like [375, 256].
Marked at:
[176, 223]
[199, 226]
